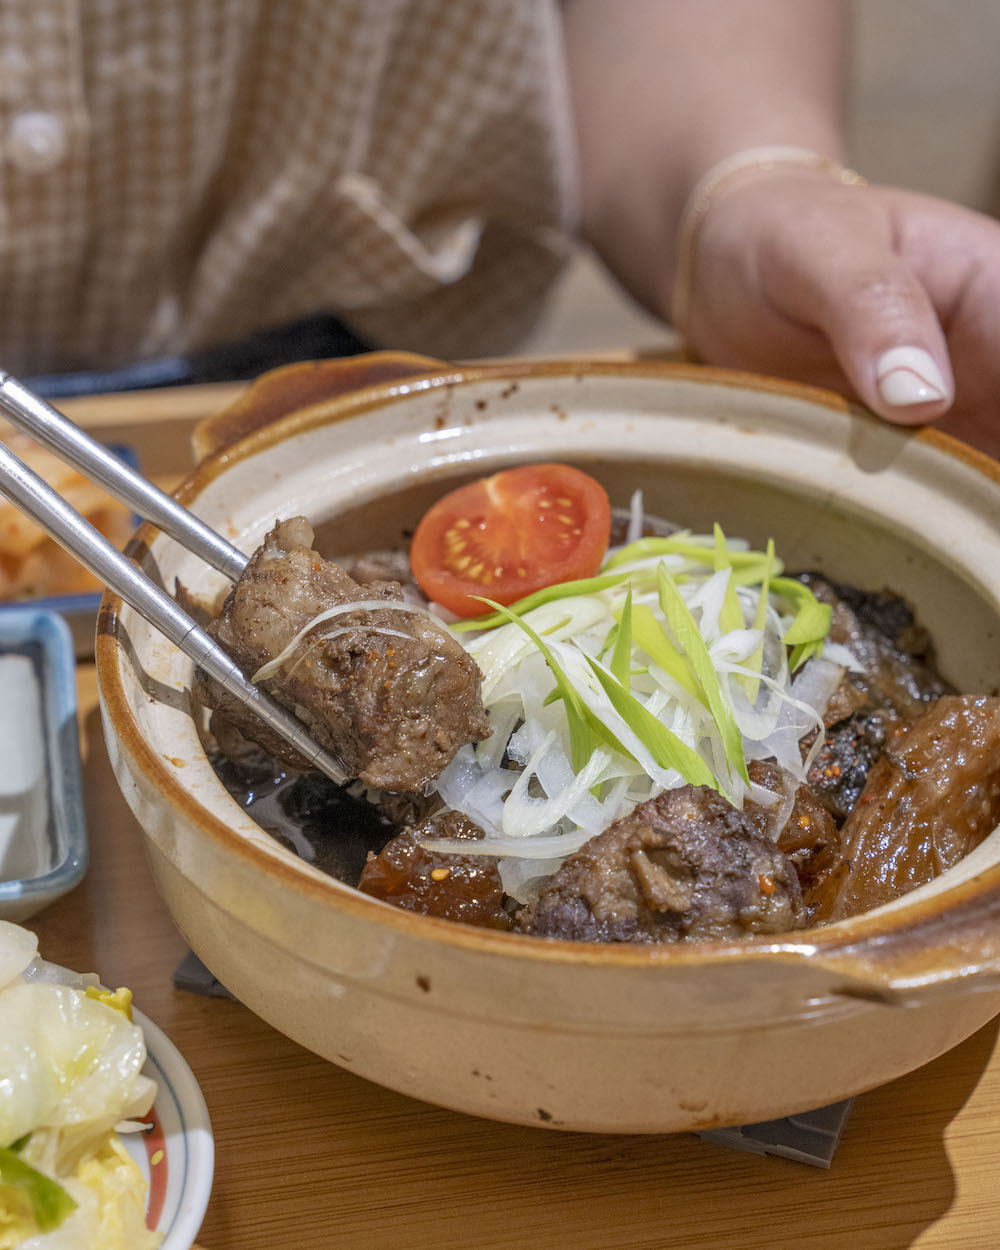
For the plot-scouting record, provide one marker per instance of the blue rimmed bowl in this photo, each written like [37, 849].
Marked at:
[176, 1155]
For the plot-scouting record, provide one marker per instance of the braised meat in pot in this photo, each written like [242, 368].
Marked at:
[459, 887]
[931, 798]
[679, 744]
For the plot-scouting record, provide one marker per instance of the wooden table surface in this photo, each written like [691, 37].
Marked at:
[311, 1156]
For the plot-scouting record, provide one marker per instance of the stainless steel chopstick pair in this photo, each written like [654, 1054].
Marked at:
[37, 500]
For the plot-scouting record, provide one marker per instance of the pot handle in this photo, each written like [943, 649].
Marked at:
[936, 951]
[280, 391]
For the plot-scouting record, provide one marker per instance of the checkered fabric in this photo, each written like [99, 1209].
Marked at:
[176, 174]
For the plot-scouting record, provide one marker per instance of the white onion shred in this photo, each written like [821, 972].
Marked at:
[635, 517]
[363, 605]
[520, 787]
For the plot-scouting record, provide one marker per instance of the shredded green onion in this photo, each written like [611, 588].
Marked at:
[621, 660]
[665, 747]
[688, 635]
[756, 661]
[675, 661]
[50, 1203]
[679, 545]
[651, 637]
[586, 732]
[812, 620]
[562, 590]
[731, 616]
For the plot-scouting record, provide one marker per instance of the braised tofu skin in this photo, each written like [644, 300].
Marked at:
[933, 796]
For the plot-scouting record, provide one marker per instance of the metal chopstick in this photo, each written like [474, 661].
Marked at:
[32, 414]
[37, 500]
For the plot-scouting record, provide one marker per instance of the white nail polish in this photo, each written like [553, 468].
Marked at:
[908, 376]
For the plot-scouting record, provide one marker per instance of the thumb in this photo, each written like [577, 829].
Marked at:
[838, 271]
[886, 336]
[883, 330]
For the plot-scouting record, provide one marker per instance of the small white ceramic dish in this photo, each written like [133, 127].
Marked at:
[177, 1155]
[43, 839]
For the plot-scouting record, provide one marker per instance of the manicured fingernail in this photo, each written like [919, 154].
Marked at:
[908, 376]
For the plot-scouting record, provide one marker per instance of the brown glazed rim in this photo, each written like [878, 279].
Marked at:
[935, 940]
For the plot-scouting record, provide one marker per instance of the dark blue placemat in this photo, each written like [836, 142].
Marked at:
[192, 975]
[812, 1137]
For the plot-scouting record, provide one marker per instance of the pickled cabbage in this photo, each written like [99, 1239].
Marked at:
[70, 1072]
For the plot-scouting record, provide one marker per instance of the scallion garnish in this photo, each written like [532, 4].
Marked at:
[621, 659]
[679, 545]
[688, 635]
[586, 733]
[50, 1203]
[667, 654]
[562, 590]
[756, 661]
[811, 625]
[665, 747]
[650, 636]
[731, 615]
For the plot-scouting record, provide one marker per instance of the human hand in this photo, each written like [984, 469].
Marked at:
[885, 295]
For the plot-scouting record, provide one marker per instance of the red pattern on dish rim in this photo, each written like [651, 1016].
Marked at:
[155, 1142]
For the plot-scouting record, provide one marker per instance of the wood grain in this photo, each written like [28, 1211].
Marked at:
[310, 1156]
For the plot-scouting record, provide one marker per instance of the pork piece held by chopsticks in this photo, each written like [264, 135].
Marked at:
[388, 689]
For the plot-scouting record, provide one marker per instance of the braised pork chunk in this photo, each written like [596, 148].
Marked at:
[685, 864]
[387, 689]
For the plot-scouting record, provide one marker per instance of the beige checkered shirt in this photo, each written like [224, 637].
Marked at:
[179, 173]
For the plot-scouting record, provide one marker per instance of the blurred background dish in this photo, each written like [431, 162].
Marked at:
[33, 567]
[98, 1151]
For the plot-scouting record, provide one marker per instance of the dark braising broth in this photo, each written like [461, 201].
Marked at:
[320, 822]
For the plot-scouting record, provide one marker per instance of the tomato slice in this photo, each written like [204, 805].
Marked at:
[511, 534]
